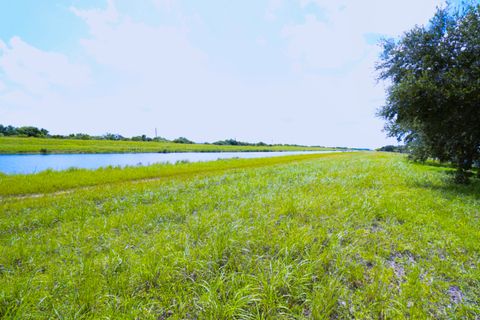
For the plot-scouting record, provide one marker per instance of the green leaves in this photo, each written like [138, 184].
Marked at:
[433, 100]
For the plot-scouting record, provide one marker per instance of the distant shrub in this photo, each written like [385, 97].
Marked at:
[183, 140]
[233, 142]
[23, 131]
[32, 132]
[392, 148]
[80, 136]
[113, 136]
[141, 138]
[160, 139]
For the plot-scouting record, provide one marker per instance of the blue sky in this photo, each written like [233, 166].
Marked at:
[296, 71]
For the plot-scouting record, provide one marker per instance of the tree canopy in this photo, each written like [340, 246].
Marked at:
[433, 98]
[22, 131]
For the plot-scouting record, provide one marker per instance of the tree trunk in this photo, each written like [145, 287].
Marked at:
[463, 170]
[461, 176]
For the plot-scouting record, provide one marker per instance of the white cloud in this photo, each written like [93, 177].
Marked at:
[99, 19]
[381, 16]
[339, 38]
[272, 7]
[152, 75]
[151, 52]
[36, 71]
[145, 77]
[321, 45]
[16, 98]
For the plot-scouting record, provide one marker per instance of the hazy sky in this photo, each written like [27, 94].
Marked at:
[281, 71]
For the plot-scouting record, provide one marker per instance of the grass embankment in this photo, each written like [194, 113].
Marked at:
[12, 145]
[51, 181]
[359, 235]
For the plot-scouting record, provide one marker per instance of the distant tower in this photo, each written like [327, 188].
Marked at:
[155, 132]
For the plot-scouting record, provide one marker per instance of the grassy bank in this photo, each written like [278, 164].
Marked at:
[10, 145]
[361, 235]
[51, 181]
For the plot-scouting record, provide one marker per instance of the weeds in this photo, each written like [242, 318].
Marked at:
[12, 145]
[345, 236]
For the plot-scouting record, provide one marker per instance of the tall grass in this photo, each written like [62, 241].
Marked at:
[51, 181]
[10, 145]
[367, 236]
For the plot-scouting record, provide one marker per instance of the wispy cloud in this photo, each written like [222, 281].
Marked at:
[37, 71]
[130, 75]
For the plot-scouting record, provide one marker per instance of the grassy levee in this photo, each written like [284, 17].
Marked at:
[50, 181]
[12, 145]
[361, 235]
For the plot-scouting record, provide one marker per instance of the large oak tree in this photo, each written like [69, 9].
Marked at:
[433, 99]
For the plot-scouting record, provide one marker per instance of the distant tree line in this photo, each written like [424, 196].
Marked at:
[30, 131]
[23, 131]
[233, 142]
[392, 148]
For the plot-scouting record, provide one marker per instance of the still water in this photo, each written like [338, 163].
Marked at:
[12, 164]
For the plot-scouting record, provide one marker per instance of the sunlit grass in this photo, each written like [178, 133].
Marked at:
[50, 180]
[10, 145]
[362, 236]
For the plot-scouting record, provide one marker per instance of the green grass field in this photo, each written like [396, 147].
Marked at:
[52, 181]
[9, 145]
[351, 235]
